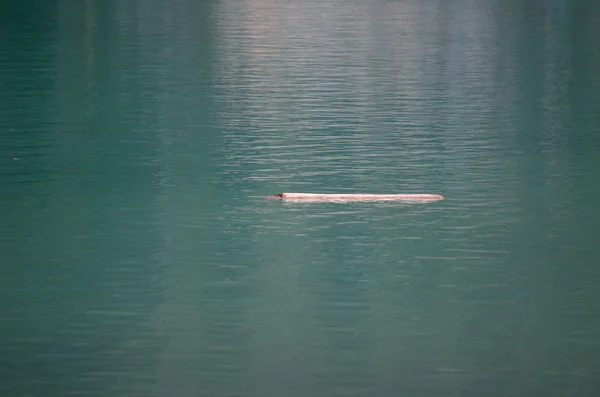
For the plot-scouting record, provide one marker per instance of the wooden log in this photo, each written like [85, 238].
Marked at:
[316, 197]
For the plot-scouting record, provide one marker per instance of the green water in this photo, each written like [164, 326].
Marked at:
[138, 256]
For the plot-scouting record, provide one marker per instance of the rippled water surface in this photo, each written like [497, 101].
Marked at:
[139, 256]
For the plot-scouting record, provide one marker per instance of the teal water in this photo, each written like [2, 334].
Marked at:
[138, 256]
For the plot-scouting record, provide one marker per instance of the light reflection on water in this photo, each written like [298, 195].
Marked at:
[143, 258]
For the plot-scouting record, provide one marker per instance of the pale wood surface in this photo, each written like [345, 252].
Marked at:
[355, 197]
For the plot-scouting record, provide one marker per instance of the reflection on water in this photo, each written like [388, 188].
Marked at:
[140, 256]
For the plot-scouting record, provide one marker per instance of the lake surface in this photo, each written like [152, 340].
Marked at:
[139, 257]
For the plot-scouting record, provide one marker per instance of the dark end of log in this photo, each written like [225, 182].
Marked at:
[277, 196]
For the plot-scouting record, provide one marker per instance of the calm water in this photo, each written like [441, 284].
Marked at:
[138, 256]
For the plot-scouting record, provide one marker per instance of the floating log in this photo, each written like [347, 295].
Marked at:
[316, 197]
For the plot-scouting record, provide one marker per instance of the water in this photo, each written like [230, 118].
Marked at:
[140, 258]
